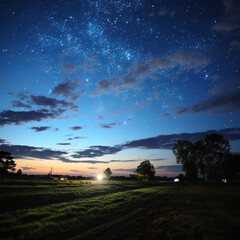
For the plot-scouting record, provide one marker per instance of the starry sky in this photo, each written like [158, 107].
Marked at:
[87, 85]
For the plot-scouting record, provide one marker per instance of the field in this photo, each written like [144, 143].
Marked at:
[118, 210]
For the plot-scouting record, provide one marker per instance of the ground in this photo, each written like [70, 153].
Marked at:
[118, 210]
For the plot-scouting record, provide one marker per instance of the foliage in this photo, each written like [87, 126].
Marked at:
[107, 173]
[19, 172]
[145, 170]
[210, 157]
[6, 162]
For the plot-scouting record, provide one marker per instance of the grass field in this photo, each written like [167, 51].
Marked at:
[118, 210]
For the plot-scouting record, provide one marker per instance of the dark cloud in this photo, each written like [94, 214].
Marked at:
[3, 141]
[29, 152]
[40, 129]
[111, 125]
[108, 125]
[14, 117]
[164, 115]
[75, 138]
[96, 151]
[168, 141]
[138, 160]
[224, 103]
[27, 168]
[19, 104]
[148, 69]
[52, 102]
[235, 44]
[90, 64]
[69, 67]
[99, 117]
[92, 168]
[75, 128]
[227, 86]
[64, 144]
[68, 89]
[159, 142]
[231, 21]
[125, 170]
[190, 61]
[75, 170]
[170, 168]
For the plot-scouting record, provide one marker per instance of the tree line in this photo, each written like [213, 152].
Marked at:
[209, 157]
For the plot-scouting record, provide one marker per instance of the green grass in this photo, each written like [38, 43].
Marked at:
[123, 211]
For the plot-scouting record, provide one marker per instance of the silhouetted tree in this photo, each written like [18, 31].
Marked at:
[107, 173]
[217, 150]
[185, 153]
[145, 170]
[231, 165]
[6, 162]
[210, 157]
[19, 172]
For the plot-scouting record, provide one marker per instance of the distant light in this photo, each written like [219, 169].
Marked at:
[224, 180]
[99, 177]
[176, 180]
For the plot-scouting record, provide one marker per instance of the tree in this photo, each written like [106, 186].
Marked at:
[217, 150]
[145, 170]
[19, 172]
[209, 157]
[6, 162]
[107, 173]
[186, 155]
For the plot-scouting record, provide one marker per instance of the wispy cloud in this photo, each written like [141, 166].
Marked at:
[43, 128]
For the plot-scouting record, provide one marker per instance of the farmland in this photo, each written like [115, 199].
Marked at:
[118, 210]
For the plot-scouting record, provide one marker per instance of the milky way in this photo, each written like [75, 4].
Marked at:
[117, 71]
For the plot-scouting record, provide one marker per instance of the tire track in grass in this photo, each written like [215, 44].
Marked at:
[133, 221]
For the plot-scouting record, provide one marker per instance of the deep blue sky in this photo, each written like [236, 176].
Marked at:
[87, 85]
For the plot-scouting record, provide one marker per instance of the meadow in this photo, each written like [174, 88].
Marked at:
[118, 210]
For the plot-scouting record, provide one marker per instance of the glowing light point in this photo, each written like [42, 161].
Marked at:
[99, 177]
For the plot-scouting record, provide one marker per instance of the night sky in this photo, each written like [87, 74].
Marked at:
[87, 85]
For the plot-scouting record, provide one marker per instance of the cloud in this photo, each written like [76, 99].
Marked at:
[231, 21]
[147, 69]
[227, 86]
[76, 171]
[190, 61]
[235, 44]
[75, 138]
[164, 115]
[3, 141]
[125, 170]
[90, 64]
[96, 151]
[159, 142]
[75, 128]
[19, 104]
[52, 102]
[64, 144]
[68, 89]
[40, 129]
[92, 168]
[29, 152]
[170, 168]
[69, 67]
[99, 117]
[224, 103]
[14, 117]
[111, 125]
[168, 141]
[108, 125]
[27, 168]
